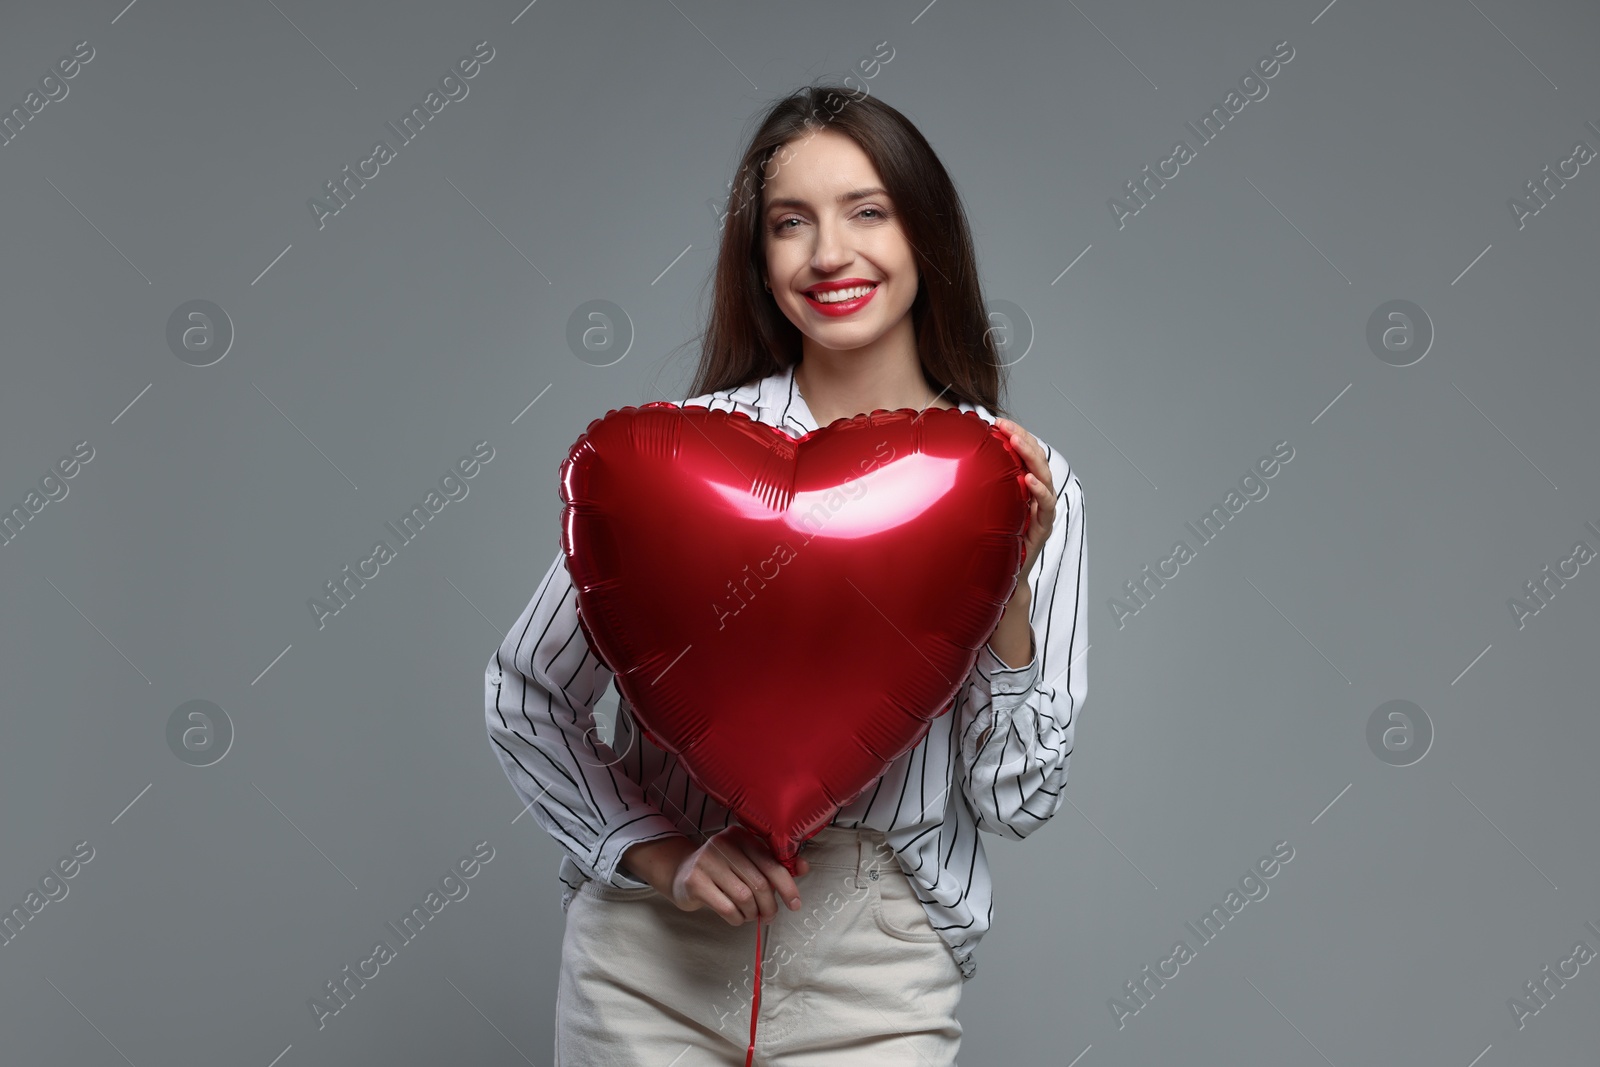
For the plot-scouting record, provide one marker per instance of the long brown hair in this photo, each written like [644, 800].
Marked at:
[748, 336]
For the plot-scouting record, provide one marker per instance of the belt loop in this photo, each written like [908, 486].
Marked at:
[868, 859]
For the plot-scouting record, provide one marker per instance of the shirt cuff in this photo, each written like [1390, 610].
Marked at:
[633, 829]
[1004, 680]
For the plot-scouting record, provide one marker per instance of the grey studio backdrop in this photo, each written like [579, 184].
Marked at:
[1381, 660]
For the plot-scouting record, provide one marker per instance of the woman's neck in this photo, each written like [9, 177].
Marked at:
[840, 385]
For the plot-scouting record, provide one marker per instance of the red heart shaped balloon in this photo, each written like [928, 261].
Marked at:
[788, 616]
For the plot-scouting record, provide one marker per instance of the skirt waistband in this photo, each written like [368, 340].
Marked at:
[851, 848]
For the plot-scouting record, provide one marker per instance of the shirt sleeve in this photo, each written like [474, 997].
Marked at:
[540, 689]
[1017, 723]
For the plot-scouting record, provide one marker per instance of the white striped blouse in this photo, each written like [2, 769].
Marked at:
[998, 763]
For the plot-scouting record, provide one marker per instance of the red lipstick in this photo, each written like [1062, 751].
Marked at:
[842, 307]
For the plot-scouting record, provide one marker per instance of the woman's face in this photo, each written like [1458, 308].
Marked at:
[827, 219]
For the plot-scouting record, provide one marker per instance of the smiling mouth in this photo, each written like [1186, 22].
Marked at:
[841, 296]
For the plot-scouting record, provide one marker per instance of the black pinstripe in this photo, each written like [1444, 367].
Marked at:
[931, 803]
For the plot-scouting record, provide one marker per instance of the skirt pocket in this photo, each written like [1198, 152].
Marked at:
[895, 906]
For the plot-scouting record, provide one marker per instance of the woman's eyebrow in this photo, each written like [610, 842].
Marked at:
[844, 198]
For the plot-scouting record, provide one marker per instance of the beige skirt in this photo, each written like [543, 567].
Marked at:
[857, 975]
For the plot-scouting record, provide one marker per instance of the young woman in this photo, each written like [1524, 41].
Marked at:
[846, 282]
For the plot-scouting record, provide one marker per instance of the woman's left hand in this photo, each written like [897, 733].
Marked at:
[1042, 508]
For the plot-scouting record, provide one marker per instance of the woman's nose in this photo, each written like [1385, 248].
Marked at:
[831, 252]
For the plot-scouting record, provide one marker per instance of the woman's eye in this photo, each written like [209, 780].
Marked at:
[872, 213]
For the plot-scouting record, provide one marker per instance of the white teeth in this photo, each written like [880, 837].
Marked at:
[837, 295]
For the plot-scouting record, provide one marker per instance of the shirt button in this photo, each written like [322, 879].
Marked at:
[873, 875]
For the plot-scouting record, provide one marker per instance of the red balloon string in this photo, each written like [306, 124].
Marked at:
[755, 1007]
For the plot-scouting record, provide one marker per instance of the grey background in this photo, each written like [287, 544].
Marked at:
[1229, 314]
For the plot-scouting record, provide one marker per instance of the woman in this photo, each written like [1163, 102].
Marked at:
[846, 282]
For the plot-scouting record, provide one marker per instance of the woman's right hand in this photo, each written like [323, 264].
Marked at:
[734, 874]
